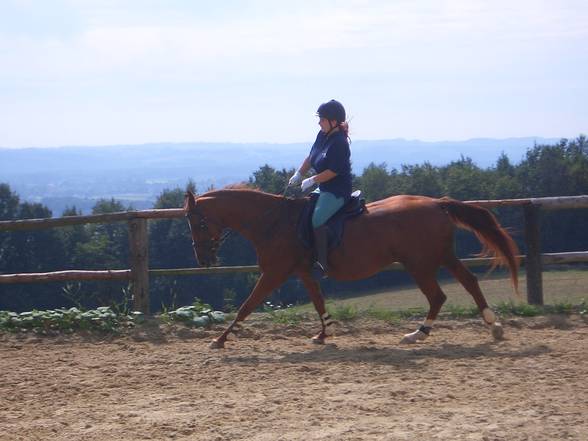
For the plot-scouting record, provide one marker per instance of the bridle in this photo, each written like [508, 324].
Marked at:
[209, 242]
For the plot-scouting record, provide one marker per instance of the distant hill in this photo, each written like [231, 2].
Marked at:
[136, 174]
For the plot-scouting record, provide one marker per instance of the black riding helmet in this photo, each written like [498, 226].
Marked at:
[332, 110]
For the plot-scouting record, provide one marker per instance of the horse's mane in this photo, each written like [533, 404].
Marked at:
[240, 187]
[275, 207]
[243, 186]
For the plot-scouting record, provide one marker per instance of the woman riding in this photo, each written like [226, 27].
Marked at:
[330, 160]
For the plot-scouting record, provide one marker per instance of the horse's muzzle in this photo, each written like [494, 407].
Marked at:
[204, 260]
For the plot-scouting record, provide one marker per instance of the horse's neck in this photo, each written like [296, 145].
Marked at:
[252, 214]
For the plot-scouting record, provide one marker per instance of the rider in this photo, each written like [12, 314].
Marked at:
[329, 159]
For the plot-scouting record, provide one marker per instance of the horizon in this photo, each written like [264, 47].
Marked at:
[308, 142]
[99, 72]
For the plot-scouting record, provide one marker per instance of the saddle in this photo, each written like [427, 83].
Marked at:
[352, 208]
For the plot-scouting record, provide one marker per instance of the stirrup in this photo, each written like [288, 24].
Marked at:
[318, 271]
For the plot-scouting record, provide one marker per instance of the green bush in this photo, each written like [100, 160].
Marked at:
[198, 314]
[68, 320]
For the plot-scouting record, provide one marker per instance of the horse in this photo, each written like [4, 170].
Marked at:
[417, 231]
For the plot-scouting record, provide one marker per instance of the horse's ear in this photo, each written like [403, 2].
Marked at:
[189, 201]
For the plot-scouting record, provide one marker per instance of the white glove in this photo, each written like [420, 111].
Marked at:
[295, 179]
[307, 183]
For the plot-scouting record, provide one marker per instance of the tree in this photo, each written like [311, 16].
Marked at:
[503, 181]
[26, 252]
[108, 247]
[169, 240]
[375, 182]
[270, 180]
[71, 237]
[8, 202]
[464, 180]
[170, 247]
[422, 179]
[558, 170]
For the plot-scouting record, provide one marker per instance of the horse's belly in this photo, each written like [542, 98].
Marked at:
[358, 260]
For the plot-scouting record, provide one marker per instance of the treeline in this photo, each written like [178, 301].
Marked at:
[546, 170]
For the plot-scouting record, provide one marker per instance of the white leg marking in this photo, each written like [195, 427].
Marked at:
[413, 337]
[417, 335]
[489, 316]
[495, 327]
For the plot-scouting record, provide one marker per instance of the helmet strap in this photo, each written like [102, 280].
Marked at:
[332, 127]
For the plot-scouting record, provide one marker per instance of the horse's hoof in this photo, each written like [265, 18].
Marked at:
[497, 331]
[413, 337]
[216, 344]
[318, 340]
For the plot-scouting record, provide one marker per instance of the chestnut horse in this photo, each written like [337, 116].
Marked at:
[416, 231]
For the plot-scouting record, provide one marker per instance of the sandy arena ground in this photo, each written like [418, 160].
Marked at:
[273, 384]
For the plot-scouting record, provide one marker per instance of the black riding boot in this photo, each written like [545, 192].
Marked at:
[319, 268]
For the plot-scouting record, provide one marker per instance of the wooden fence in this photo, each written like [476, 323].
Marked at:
[139, 272]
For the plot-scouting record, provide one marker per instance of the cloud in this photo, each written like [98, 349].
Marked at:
[115, 41]
[157, 61]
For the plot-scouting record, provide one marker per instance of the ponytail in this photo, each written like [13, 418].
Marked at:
[344, 127]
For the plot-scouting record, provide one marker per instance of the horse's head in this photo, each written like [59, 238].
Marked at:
[207, 234]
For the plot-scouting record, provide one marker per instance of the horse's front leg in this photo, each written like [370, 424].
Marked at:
[314, 291]
[264, 286]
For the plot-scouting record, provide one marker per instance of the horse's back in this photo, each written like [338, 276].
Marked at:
[403, 202]
[405, 210]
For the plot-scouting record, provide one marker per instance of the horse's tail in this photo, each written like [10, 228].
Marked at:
[495, 239]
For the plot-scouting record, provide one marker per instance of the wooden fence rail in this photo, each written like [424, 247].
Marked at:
[125, 274]
[138, 274]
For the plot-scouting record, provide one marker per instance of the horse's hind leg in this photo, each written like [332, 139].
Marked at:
[470, 283]
[428, 284]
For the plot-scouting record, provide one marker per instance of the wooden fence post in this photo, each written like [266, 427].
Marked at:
[139, 260]
[533, 261]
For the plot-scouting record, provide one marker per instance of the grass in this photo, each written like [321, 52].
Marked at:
[564, 293]
[344, 313]
[289, 316]
[559, 287]
[505, 309]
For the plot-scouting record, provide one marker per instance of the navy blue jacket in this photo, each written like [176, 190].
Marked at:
[332, 152]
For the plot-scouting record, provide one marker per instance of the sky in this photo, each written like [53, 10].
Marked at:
[103, 72]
